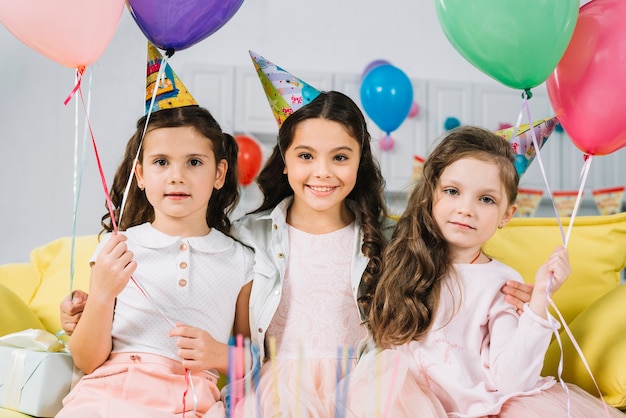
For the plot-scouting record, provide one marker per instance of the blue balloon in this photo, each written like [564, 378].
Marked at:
[450, 123]
[387, 96]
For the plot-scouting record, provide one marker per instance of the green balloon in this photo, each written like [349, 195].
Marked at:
[517, 42]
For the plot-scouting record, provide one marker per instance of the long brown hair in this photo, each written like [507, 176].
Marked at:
[368, 192]
[137, 208]
[416, 260]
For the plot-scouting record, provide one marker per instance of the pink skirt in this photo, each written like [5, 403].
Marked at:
[382, 386]
[553, 403]
[142, 385]
[320, 388]
[292, 388]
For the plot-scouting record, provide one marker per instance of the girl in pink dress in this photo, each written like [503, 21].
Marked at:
[438, 313]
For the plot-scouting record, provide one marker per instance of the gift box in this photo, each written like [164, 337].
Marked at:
[34, 382]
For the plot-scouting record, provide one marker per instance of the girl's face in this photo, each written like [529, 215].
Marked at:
[470, 203]
[321, 165]
[179, 173]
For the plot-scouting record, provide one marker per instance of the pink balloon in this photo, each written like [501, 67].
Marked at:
[387, 143]
[73, 33]
[588, 87]
[415, 111]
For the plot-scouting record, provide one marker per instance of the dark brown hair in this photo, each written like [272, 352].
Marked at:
[368, 192]
[137, 209]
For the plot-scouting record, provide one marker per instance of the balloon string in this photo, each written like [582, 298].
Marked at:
[78, 176]
[79, 76]
[565, 238]
[158, 82]
[77, 88]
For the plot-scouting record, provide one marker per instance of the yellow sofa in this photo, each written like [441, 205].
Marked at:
[592, 300]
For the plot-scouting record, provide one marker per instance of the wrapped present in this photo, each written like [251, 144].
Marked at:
[35, 375]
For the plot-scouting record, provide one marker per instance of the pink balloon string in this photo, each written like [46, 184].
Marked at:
[77, 89]
[79, 76]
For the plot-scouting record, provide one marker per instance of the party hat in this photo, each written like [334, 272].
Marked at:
[171, 91]
[522, 142]
[285, 92]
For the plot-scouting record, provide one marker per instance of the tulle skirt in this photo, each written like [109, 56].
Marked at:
[381, 386]
[553, 403]
[294, 388]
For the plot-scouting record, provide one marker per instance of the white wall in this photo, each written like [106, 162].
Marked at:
[37, 130]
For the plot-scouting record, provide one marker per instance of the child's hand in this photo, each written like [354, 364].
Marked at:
[112, 269]
[517, 294]
[557, 267]
[554, 272]
[199, 350]
[71, 310]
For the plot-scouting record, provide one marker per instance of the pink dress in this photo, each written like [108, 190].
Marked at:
[316, 329]
[483, 361]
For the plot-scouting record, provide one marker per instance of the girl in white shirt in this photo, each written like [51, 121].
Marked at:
[438, 313]
[167, 290]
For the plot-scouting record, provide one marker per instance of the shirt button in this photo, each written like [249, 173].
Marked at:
[182, 265]
[182, 247]
[260, 330]
[275, 227]
[280, 255]
[277, 292]
[182, 282]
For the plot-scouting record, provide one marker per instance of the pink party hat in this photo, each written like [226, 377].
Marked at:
[285, 92]
[522, 142]
[171, 91]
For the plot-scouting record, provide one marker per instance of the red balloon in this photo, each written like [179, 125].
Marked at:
[587, 88]
[249, 158]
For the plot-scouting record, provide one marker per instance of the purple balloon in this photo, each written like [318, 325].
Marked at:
[173, 25]
[371, 66]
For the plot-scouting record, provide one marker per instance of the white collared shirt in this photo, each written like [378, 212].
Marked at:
[195, 281]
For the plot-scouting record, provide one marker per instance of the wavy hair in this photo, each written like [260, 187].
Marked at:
[137, 208]
[417, 259]
[368, 192]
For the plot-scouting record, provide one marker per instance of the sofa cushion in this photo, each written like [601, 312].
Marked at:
[22, 278]
[16, 315]
[599, 331]
[53, 263]
[597, 251]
